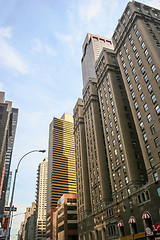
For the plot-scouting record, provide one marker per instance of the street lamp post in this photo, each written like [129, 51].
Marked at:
[11, 202]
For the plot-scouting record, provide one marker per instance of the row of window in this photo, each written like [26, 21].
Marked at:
[147, 10]
[152, 33]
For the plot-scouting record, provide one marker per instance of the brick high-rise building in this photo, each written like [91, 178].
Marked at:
[118, 123]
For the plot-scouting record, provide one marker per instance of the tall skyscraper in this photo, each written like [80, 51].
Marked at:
[118, 123]
[41, 200]
[61, 163]
[8, 123]
[138, 56]
[92, 47]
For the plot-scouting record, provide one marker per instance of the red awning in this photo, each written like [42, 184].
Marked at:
[146, 216]
[120, 224]
[131, 220]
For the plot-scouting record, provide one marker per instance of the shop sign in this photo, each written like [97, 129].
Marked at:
[156, 227]
[148, 232]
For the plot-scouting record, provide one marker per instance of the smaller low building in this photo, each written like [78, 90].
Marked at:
[67, 217]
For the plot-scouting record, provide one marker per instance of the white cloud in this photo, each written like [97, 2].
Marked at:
[154, 3]
[50, 51]
[39, 47]
[92, 10]
[5, 32]
[8, 55]
[63, 37]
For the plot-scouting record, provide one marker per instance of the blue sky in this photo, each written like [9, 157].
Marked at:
[40, 68]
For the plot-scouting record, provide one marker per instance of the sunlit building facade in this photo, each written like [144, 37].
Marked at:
[116, 128]
[61, 162]
[41, 200]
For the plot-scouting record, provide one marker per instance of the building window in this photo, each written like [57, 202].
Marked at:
[114, 142]
[140, 39]
[133, 95]
[120, 147]
[135, 26]
[150, 90]
[149, 60]
[130, 87]
[118, 137]
[142, 96]
[143, 45]
[137, 55]
[129, 57]
[156, 141]
[140, 62]
[153, 131]
[109, 148]
[117, 128]
[153, 68]
[146, 78]
[128, 79]
[141, 126]
[124, 22]
[145, 137]
[155, 175]
[115, 119]
[132, 42]
[134, 48]
[154, 100]
[139, 87]
[133, 71]
[129, 36]
[157, 108]
[122, 59]
[157, 77]
[151, 162]
[146, 52]
[136, 78]
[136, 105]
[120, 183]
[112, 103]
[131, 64]
[143, 70]
[145, 107]
[126, 180]
[137, 32]
[122, 157]
[148, 150]
[149, 118]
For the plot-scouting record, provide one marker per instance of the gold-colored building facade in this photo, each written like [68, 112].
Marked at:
[63, 179]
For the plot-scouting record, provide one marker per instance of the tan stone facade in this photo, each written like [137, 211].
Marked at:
[117, 124]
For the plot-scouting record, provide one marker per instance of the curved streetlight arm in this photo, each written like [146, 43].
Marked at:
[11, 202]
[26, 155]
